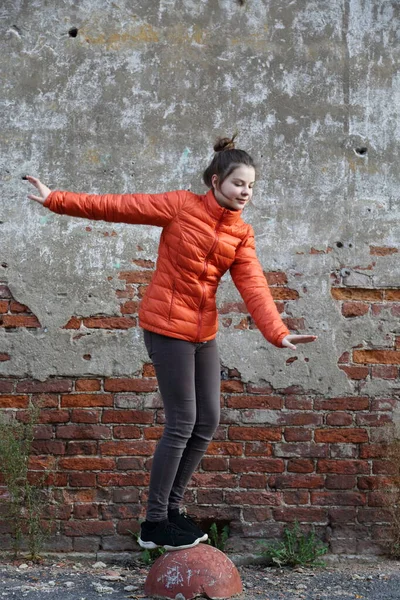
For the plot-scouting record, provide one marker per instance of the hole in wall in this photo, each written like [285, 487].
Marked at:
[339, 244]
[73, 32]
[361, 150]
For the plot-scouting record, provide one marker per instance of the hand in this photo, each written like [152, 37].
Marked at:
[297, 339]
[44, 191]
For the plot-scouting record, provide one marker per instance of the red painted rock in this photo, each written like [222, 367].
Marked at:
[199, 571]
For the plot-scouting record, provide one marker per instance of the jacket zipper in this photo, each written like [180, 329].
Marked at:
[203, 298]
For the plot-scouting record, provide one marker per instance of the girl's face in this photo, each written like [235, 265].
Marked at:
[237, 189]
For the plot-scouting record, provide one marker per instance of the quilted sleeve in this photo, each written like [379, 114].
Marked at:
[145, 209]
[249, 279]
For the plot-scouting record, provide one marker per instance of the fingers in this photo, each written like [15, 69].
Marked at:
[32, 180]
[36, 198]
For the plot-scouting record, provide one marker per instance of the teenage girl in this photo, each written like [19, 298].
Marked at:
[202, 237]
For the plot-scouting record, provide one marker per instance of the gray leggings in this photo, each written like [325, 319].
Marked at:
[189, 381]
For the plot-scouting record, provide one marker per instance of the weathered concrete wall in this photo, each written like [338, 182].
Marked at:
[132, 101]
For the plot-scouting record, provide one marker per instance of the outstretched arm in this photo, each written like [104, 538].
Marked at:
[249, 278]
[149, 209]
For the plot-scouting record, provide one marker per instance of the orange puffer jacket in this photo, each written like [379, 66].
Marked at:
[200, 241]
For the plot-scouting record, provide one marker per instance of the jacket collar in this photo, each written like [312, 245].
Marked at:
[219, 212]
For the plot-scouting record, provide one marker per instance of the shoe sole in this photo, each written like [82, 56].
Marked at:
[153, 546]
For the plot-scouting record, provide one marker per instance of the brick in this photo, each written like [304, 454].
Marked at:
[345, 436]
[294, 324]
[258, 449]
[14, 401]
[373, 450]
[375, 420]
[87, 385]
[365, 294]
[281, 293]
[342, 498]
[141, 448]
[275, 278]
[263, 465]
[128, 464]
[232, 385]
[382, 404]
[384, 467]
[384, 372]
[86, 511]
[82, 479]
[128, 416]
[376, 499]
[10, 321]
[339, 419]
[392, 295]
[242, 498]
[347, 451]
[85, 447]
[354, 309]
[390, 357]
[296, 481]
[342, 515]
[45, 400]
[302, 515]
[85, 415]
[253, 481]
[126, 496]
[344, 358]
[48, 447]
[382, 250]
[270, 402]
[214, 464]
[86, 463]
[54, 416]
[233, 307]
[296, 497]
[136, 276]
[228, 448]
[98, 322]
[130, 385]
[4, 305]
[297, 434]
[43, 432]
[87, 544]
[215, 480]
[343, 467]
[255, 433]
[300, 465]
[130, 307]
[340, 482]
[257, 513]
[152, 433]
[4, 357]
[144, 262]
[83, 432]
[344, 404]
[6, 387]
[302, 450]
[260, 388]
[135, 401]
[85, 528]
[89, 400]
[298, 403]
[73, 323]
[301, 418]
[50, 386]
[356, 373]
[127, 432]
[148, 370]
[5, 291]
[17, 307]
[123, 479]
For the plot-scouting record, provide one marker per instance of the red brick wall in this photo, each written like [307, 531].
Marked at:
[278, 455]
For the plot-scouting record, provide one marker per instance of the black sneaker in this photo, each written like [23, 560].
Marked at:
[186, 523]
[167, 535]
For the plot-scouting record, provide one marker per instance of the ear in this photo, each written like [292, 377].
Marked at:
[214, 180]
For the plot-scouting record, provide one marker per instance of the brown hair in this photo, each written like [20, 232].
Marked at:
[226, 159]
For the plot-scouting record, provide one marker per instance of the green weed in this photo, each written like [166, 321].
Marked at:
[296, 548]
[216, 538]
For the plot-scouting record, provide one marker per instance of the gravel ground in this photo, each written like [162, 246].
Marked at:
[68, 580]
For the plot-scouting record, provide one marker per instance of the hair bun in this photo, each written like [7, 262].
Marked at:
[225, 144]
